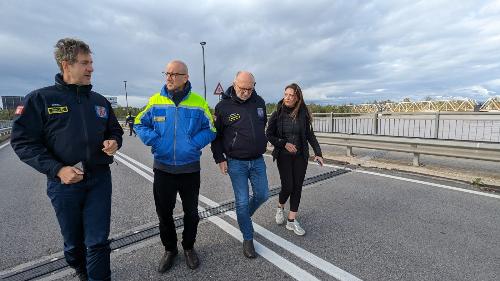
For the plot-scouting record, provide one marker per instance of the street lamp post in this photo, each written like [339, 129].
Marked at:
[126, 98]
[204, 81]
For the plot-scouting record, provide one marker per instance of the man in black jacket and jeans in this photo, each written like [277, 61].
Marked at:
[70, 133]
[240, 122]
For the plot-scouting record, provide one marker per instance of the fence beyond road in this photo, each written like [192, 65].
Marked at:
[462, 126]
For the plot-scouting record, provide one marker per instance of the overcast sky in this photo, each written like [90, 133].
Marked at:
[339, 52]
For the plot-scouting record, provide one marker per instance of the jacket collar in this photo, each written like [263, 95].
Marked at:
[169, 94]
[82, 89]
[231, 94]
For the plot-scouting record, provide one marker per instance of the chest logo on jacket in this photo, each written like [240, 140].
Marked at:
[57, 109]
[233, 117]
[159, 118]
[101, 111]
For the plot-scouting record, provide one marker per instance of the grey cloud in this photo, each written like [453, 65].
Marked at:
[338, 51]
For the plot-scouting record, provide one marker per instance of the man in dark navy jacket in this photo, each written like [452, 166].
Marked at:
[70, 134]
[241, 140]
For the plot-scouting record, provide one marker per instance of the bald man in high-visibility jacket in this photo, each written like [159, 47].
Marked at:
[177, 124]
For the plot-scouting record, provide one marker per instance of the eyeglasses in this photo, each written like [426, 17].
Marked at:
[249, 90]
[172, 74]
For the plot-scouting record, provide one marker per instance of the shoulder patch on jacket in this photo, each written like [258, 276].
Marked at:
[101, 111]
[19, 110]
[260, 112]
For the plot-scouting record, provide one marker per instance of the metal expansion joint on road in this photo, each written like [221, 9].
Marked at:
[56, 264]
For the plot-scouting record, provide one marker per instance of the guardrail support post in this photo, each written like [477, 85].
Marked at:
[416, 159]
[348, 151]
[436, 125]
[375, 124]
[331, 122]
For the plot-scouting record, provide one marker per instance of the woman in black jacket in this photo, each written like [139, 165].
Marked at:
[290, 130]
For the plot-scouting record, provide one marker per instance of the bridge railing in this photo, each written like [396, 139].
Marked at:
[416, 146]
[463, 126]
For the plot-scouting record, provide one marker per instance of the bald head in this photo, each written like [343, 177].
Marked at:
[244, 83]
[245, 76]
[176, 74]
[180, 65]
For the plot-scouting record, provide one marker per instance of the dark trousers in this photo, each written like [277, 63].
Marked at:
[292, 169]
[165, 188]
[83, 211]
[131, 127]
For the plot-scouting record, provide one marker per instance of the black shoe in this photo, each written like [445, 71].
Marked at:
[192, 260]
[167, 261]
[248, 249]
[81, 273]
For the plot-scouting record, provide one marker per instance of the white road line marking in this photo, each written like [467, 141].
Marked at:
[144, 167]
[4, 145]
[148, 177]
[23, 266]
[306, 256]
[285, 265]
[69, 272]
[414, 181]
[432, 184]
[309, 257]
[60, 255]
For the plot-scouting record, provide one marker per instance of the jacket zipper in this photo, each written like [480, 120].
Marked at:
[78, 95]
[85, 133]
[175, 132]
[253, 129]
[234, 140]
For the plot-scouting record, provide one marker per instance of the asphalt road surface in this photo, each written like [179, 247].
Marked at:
[361, 225]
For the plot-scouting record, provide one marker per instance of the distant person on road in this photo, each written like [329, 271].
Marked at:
[289, 131]
[130, 122]
[177, 124]
[70, 133]
[240, 122]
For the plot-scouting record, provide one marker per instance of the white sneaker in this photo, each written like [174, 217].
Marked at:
[295, 226]
[280, 216]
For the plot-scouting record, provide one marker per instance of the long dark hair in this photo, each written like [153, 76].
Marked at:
[300, 102]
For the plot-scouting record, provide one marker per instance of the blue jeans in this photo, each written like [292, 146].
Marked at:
[83, 211]
[240, 171]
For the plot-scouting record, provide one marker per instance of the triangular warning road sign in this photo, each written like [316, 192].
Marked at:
[219, 90]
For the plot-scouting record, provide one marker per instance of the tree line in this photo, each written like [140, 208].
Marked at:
[121, 112]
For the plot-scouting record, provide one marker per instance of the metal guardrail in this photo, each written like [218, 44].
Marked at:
[5, 131]
[5, 124]
[464, 126]
[448, 148]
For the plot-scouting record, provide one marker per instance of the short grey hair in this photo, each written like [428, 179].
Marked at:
[67, 49]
